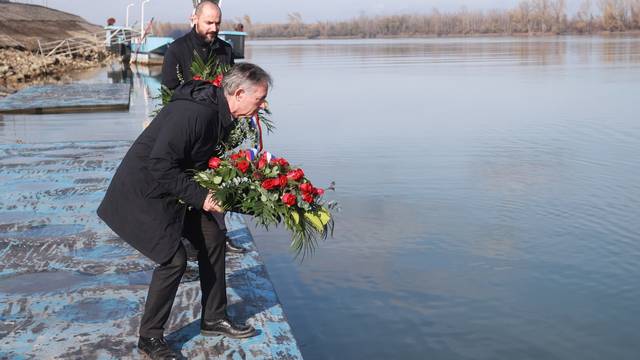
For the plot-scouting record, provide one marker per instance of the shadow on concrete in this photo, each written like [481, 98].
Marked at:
[256, 299]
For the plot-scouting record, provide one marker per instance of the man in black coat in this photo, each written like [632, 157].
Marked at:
[203, 39]
[147, 201]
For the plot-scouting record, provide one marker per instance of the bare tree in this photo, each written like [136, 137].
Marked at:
[634, 13]
[583, 20]
[559, 8]
[613, 15]
[529, 17]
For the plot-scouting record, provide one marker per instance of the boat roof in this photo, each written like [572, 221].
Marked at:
[240, 33]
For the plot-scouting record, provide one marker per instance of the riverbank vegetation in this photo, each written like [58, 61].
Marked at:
[529, 17]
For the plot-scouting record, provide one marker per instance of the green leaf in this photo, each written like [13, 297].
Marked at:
[296, 217]
[324, 216]
[315, 221]
[217, 180]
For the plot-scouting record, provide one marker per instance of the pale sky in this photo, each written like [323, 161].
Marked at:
[265, 11]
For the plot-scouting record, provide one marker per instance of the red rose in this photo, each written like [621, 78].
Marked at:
[282, 180]
[214, 162]
[283, 162]
[306, 188]
[295, 175]
[197, 77]
[243, 165]
[319, 192]
[289, 199]
[270, 184]
[308, 198]
[217, 82]
[263, 161]
[240, 154]
[257, 175]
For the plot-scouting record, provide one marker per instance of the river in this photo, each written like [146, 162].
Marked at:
[489, 192]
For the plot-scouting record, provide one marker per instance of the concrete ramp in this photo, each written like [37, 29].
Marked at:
[71, 289]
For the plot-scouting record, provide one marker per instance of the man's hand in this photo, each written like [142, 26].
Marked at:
[210, 204]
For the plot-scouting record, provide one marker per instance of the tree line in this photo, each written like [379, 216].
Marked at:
[528, 17]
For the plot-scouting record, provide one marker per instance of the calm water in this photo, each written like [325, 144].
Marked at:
[490, 193]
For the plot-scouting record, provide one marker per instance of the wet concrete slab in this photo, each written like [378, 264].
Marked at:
[71, 289]
[77, 97]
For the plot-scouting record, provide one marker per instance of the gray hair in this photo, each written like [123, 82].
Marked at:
[245, 75]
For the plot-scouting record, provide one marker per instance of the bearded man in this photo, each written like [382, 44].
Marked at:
[203, 39]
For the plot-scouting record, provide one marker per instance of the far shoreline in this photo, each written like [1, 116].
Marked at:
[613, 34]
[47, 72]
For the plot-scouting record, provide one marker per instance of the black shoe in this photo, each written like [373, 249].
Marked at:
[156, 348]
[226, 328]
[233, 248]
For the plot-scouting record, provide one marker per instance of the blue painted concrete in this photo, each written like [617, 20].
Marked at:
[71, 289]
[67, 98]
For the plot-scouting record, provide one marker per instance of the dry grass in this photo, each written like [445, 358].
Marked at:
[532, 17]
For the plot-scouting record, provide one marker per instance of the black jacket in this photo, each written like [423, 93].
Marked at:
[142, 202]
[179, 56]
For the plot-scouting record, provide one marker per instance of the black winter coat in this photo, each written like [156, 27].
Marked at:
[179, 56]
[142, 202]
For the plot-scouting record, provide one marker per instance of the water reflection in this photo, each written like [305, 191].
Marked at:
[483, 51]
[120, 74]
[92, 126]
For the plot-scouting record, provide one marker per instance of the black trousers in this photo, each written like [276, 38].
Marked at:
[204, 233]
[192, 252]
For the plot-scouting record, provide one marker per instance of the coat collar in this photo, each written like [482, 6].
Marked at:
[224, 114]
[199, 41]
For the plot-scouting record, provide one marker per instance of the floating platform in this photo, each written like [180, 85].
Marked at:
[151, 51]
[71, 289]
[50, 99]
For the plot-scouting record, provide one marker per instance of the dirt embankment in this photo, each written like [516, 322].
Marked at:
[26, 24]
[22, 26]
[20, 68]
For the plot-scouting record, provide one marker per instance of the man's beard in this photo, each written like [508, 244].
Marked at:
[207, 37]
[210, 37]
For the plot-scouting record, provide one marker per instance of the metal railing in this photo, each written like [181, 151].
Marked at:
[95, 41]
